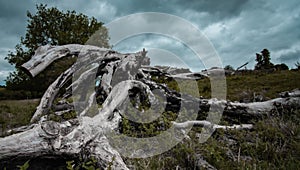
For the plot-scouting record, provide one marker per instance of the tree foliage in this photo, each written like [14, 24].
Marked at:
[54, 27]
[263, 60]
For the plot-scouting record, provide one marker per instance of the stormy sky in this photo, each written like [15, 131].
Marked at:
[236, 28]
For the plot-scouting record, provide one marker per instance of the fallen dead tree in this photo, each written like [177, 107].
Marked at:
[117, 80]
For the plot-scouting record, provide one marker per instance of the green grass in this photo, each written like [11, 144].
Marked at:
[242, 86]
[269, 85]
[273, 143]
[15, 113]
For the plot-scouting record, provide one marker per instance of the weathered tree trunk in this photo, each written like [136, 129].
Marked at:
[118, 74]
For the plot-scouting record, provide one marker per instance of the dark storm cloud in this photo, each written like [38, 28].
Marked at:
[5, 67]
[14, 9]
[264, 24]
[12, 27]
[164, 47]
[237, 28]
[13, 15]
[220, 9]
[292, 55]
[118, 8]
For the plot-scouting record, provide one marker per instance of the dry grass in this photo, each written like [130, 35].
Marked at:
[14, 113]
[244, 86]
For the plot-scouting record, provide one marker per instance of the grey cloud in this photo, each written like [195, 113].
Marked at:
[13, 15]
[15, 8]
[134, 6]
[168, 26]
[172, 52]
[263, 25]
[104, 11]
[290, 57]
[220, 9]
[215, 9]
[12, 26]
[3, 75]
[5, 67]
[237, 28]
[164, 57]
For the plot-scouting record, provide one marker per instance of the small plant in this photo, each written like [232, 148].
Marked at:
[89, 164]
[111, 163]
[69, 165]
[25, 166]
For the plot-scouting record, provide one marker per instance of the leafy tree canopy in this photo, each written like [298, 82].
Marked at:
[54, 27]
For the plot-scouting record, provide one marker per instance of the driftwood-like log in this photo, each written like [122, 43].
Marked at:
[50, 94]
[47, 54]
[115, 77]
[208, 124]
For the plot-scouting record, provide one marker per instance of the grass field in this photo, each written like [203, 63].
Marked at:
[15, 113]
[240, 87]
[273, 143]
[269, 85]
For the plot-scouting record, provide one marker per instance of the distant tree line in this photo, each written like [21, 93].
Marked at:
[263, 63]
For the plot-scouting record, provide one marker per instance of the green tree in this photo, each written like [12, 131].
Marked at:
[54, 27]
[263, 60]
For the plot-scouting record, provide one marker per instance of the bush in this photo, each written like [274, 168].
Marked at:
[281, 66]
